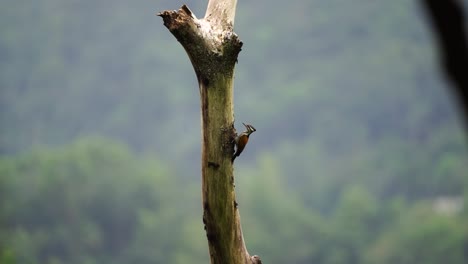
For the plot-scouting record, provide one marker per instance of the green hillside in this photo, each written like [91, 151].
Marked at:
[359, 154]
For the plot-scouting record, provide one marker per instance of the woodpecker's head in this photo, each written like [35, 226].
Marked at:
[250, 129]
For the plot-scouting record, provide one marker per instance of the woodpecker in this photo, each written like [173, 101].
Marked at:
[242, 139]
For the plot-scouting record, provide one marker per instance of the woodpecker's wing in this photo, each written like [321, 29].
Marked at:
[242, 141]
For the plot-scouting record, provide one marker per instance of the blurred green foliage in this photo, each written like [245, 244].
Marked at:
[90, 202]
[95, 202]
[359, 155]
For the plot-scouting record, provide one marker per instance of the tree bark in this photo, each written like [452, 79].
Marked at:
[213, 47]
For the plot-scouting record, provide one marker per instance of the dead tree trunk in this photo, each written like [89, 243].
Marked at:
[213, 47]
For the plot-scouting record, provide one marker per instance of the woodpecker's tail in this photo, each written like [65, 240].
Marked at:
[233, 157]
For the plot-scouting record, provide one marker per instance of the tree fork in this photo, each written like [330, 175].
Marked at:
[213, 47]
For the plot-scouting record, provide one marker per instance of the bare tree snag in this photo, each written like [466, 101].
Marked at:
[213, 47]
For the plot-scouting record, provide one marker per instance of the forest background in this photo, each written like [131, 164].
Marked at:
[359, 155]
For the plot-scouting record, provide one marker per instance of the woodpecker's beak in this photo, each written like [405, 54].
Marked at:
[249, 128]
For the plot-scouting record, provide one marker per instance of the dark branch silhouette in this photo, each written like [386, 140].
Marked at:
[448, 23]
